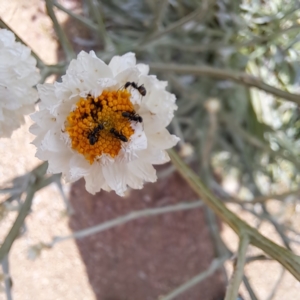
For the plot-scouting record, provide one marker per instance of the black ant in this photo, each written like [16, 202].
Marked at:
[94, 134]
[119, 135]
[133, 116]
[141, 88]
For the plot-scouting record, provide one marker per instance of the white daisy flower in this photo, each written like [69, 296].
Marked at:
[18, 75]
[106, 123]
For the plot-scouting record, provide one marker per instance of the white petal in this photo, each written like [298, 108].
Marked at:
[59, 163]
[121, 63]
[115, 176]
[95, 179]
[159, 101]
[52, 142]
[142, 170]
[138, 141]
[163, 139]
[154, 156]
[134, 181]
[144, 69]
[47, 95]
[18, 75]
[84, 73]
[89, 64]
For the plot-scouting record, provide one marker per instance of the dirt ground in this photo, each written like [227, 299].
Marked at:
[148, 257]
[137, 261]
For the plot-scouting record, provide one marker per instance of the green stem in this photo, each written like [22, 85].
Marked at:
[34, 184]
[7, 278]
[95, 12]
[239, 77]
[59, 32]
[79, 18]
[14, 231]
[249, 288]
[285, 257]
[237, 276]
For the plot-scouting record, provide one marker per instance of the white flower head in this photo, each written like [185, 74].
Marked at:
[106, 123]
[18, 75]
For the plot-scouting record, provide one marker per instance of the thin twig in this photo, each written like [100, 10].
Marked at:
[15, 229]
[81, 19]
[60, 33]
[237, 276]
[217, 46]
[49, 70]
[95, 12]
[280, 197]
[161, 7]
[260, 257]
[215, 265]
[257, 142]
[263, 199]
[35, 183]
[220, 248]
[249, 288]
[126, 218]
[210, 132]
[239, 77]
[7, 278]
[276, 285]
[69, 208]
[198, 13]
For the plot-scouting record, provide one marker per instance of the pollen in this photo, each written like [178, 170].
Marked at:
[96, 126]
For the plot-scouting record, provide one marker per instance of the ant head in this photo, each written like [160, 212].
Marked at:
[127, 84]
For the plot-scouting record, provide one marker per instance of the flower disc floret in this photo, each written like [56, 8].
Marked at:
[90, 124]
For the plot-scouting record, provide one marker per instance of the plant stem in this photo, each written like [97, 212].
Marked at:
[14, 231]
[216, 264]
[124, 219]
[249, 288]
[34, 184]
[79, 18]
[239, 77]
[95, 12]
[285, 257]
[63, 40]
[199, 13]
[7, 278]
[237, 276]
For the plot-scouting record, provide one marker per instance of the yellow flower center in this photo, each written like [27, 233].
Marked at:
[97, 125]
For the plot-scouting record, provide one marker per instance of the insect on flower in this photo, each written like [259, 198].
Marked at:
[141, 88]
[93, 136]
[119, 135]
[132, 116]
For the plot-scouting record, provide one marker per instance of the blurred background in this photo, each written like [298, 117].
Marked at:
[240, 133]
